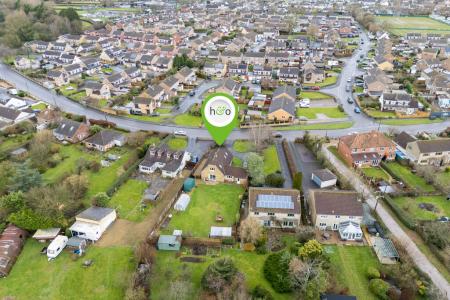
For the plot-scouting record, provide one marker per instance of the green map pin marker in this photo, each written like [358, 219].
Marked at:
[220, 115]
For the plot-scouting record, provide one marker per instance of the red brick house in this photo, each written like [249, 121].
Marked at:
[366, 149]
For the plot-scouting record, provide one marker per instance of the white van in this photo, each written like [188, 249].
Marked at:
[56, 246]
[305, 102]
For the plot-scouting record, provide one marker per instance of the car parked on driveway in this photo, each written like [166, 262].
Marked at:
[350, 100]
[357, 110]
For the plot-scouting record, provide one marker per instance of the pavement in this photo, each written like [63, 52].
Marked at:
[283, 165]
[416, 255]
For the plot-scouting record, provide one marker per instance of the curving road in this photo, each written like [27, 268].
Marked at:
[361, 121]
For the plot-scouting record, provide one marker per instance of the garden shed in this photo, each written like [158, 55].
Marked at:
[182, 202]
[220, 232]
[11, 243]
[48, 234]
[169, 242]
[188, 185]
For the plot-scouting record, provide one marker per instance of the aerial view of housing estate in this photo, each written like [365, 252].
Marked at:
[225, 149]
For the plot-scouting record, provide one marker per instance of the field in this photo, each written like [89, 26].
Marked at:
[410, 179]
[375, 173]
[176, 143]
[411, 207]
[271, 161]
[311, 112]
[33, 277]
[127, 200]
[350, 264]
[207, 202]
[402, 25]
[250, 264]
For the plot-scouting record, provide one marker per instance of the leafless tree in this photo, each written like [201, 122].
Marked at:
[260, 135]
[251, 230]
[303, 271]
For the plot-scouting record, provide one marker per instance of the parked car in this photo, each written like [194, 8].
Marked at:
[443, 219]
[180, 132]
[306, 88]
[357, 110]
[305, 102]
[315, 88]
[277, 135]
[192, 93]
[350, 100]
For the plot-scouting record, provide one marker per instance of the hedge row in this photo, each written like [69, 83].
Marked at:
[289, 158]
[403, 217]
[123, 178]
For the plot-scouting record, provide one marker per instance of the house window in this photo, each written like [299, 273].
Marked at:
[322, 224]
[211, 169]
[271, 214]
[438, 153]
[337, 217]
[351, 217]
[256, 213]
[290, 215]
[426, 154]
[267, 223]
[323, 217]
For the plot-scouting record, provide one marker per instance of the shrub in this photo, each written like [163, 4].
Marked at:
[311, 249]
[275, 180]
[219, 274]
[304, 233]
[276, 271]
[379, 287]
[260, 293]
[100, 200]
[228, 241]
[373, 273]
[436, 233]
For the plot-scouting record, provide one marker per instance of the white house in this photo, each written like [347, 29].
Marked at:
[169, 162]
[93, 222]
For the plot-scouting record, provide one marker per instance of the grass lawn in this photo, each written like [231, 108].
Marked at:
[68, 89]
[327, 126]
[155, 119]
[39, 106]
[78, 96]
[271, 161]
[33, 277]
[208, 201]
[377, 114]
[70, 155]
[402, 25]
[350, 264]
[410, 179]
[163, 110]
[311, 112]
[334, 150]
[443, 178]
[315, 95]
[248, 263]
[243, 146]
[153, 140]
[411, 206]
[103, 179]
[399, 122]
[188, 120]
[177, 143]
[375, 173]
[328, 81]
[10, 143]
[127, 200]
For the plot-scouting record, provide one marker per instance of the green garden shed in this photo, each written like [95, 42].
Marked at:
[169, 242]
[188, 185]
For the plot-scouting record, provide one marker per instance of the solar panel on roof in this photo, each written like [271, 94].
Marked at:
[275, 201]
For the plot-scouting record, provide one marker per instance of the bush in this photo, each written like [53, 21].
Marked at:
[276, 271]
[379, 287]
[304, 233]
[274, 180]
[260, 293]
[100, 200]
[29, 220]
[219, 274]
[436, 233]
[373, 273]
[228, 241]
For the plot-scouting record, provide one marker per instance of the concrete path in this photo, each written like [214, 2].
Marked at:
[283, 165]
[417, 256]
